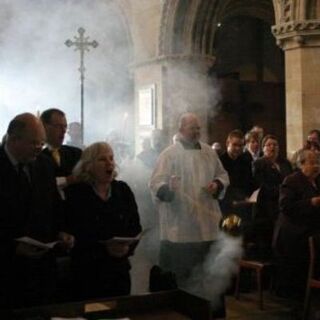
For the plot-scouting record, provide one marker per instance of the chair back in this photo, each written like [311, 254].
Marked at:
[314, 247]
[313, 280]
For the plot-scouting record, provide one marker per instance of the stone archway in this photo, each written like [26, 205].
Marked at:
[193, 23]
[189, 29]
[186, 33]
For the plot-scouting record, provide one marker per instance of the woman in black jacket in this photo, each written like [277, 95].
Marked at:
[99, 208]
[268, 173]
[299, 218]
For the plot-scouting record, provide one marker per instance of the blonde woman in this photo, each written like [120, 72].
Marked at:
[99, 208]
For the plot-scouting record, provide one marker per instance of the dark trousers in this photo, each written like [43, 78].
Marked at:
[183, 259]
[33, 281]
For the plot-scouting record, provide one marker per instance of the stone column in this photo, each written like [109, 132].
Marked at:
[301, 42]
[181, 85]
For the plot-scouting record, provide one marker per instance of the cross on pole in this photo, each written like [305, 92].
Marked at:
[82, 44]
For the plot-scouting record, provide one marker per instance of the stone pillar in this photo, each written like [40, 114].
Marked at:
[301, 42]
[180, 84]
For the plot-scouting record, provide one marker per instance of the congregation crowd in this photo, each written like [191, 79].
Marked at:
[70, 197]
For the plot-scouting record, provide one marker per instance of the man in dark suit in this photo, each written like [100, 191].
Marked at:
[30, 206]
[239, 170]
[63, 157]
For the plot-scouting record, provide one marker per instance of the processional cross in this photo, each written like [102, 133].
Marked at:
[82, 44]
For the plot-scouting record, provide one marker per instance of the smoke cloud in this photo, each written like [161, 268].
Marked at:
[39, 71]
[189, 89]
[211, 279]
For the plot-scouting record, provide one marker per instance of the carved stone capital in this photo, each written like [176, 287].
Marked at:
[296, 34]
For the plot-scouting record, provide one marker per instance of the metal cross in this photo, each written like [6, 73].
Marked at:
[82, 44]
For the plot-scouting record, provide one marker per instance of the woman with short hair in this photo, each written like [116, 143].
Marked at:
[299, 218]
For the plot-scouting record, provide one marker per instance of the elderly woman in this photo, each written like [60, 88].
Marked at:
[99, 208]
[299, 218]
[268, 173]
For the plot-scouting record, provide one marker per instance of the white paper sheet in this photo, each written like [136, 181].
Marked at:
[36, 243]
[254, 196]
[126, 240]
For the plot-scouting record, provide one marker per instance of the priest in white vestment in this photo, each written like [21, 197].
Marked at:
[186, 184]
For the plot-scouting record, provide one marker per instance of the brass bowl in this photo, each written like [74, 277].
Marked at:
[231, 225]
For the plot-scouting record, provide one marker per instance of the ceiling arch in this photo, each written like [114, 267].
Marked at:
[123, 10]
[189, 26]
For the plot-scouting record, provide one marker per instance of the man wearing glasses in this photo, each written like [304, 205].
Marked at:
[63, 157]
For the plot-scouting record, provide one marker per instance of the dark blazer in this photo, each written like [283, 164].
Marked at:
[69, 157]
[298, 218]
[241, 181]
[35, 212]
[268, 178]
[249, 156]
[40, 219]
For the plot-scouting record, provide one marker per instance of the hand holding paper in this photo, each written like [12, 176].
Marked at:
[254, 196]
[27, 249]
[117, 249]
[127, 240]
[35, 243]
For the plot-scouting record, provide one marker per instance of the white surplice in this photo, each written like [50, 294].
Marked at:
[193, 215]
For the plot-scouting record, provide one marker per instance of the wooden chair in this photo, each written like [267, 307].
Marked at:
[258, 267]
[312, 282]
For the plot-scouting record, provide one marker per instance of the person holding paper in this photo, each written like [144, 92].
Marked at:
[239, 170]
[268, 173]
[240, 175]
[299, 218]
[30, 207]
[63, 158]
[99, 208]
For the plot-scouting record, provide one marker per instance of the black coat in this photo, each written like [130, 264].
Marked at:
[268, 178]
[69, 156]
[41, 216]
[92, 220]
[298, 218]
[34, 211]
[241, 181]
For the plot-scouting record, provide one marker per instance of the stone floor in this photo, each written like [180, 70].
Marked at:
[247, 308]
[275, 308]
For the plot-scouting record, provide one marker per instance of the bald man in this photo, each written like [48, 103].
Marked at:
[187, 182]
[30, 206]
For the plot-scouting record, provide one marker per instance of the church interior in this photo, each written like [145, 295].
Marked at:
[236, 64]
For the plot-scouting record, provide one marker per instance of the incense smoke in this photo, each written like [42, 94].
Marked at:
[211, 279]
[39, 71]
